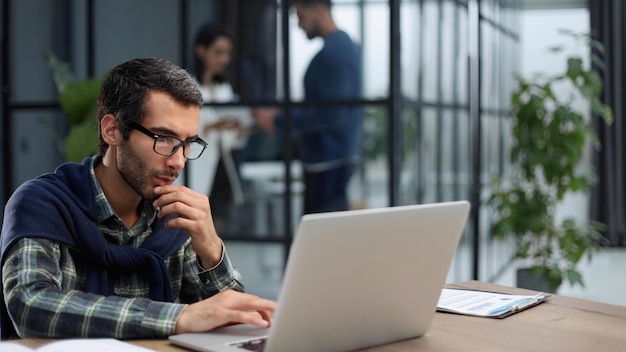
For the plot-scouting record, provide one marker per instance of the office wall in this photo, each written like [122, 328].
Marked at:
[35, 121]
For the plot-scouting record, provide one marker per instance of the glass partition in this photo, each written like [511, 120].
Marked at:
[439, 100]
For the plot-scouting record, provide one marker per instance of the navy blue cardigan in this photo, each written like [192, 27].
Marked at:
[60, 206]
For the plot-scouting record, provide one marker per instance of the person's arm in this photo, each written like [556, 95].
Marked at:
[192, 213]
[216, 297]
[183, 208]
[43, 301]
[199, 283]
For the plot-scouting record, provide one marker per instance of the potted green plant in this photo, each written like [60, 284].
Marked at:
[549, 139]
[79, 101]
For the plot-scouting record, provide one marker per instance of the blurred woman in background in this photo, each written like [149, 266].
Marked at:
[215, 174]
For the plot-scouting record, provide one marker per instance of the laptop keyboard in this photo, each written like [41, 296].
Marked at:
[257, 345]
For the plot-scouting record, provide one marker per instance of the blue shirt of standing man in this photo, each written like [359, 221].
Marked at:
[329, 136]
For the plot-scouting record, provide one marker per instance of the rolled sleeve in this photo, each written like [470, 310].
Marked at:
[222, 276]
[161, 317]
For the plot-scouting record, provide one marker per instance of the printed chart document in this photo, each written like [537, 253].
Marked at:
[91, 345]
[485, 304]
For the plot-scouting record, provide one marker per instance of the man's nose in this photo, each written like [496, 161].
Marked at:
[177, 160]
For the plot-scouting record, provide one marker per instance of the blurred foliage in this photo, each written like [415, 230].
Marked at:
[549, 138]
[375, 123]
[78, 99]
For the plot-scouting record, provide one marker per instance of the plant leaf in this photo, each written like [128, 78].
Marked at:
[82, 141]
[79, 99]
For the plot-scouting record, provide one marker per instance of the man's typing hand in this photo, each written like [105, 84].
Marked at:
[227, 307]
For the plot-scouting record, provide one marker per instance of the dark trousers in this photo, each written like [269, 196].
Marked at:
[327, 191]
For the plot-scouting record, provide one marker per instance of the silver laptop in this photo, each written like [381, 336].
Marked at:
[354, 279]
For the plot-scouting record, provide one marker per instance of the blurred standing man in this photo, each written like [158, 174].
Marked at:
[329, 136]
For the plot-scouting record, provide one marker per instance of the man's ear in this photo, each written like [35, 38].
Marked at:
[109, 129]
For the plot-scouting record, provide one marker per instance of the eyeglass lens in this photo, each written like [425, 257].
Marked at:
[168, 145]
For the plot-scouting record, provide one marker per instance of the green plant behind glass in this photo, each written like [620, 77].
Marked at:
[549, 138]
[78, 99]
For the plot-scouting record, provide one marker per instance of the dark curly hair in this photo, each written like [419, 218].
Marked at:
[126, 86]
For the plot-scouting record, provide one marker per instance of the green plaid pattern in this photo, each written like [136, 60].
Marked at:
[43, 288]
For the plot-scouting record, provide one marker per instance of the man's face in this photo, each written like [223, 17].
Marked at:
[138, 163]
[308, 20]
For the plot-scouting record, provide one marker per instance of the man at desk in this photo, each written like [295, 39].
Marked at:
[111, 247]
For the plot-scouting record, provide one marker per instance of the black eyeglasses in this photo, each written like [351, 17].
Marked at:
[168, 145]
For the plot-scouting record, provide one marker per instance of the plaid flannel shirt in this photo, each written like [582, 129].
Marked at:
[43, 286]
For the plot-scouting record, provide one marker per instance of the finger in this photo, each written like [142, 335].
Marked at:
[245, 301]
[176, 207]
[251, 302]
[189, 225]
[253, 318]
[267, 316]
[169, 189]
[180, 194]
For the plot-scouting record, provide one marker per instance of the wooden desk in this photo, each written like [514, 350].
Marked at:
[561, 324]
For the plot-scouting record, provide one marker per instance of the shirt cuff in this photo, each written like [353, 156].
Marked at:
[220, 277]
[160, 318]
[202, 269]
